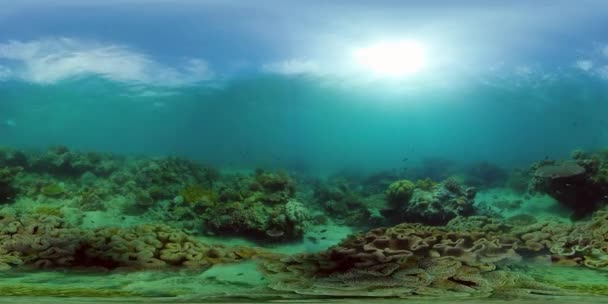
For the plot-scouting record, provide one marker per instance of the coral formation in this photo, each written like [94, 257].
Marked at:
[580, 184]
[344, 201]
[400, 192]
[61, 161]
[185, 193]
[279, 222]
[434, 205]
[469, 255]
[411, 259]
[56, 206]
[53, 190]
[49, 242]
[260, 206]
[7, 189]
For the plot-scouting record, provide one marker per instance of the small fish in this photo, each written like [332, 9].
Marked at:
[323, 230]
[405, 159]
[324, 238]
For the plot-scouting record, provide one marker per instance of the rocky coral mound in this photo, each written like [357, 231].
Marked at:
[258, 220]
[153, 180]
[580, 184]
[261, 206]
[428, 203]
[48, 242]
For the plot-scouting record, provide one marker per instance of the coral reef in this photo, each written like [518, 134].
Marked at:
[400, 192]
[7, 189]
[49, 242]
[53, 190]
[344, 201]
[580, 184]
[10, 157]
[428, 204]
[60, 161]
[185, 193]
[410, 259]
[261, 206]
[470, 255]
[279, 222]
[64, 209]
[155, 180]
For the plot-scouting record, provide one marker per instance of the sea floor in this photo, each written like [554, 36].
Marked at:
[243, 283]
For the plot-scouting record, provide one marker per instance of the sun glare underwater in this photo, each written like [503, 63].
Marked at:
[337, 151]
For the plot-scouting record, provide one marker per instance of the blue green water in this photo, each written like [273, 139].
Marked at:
[203, 151]
[304, 123]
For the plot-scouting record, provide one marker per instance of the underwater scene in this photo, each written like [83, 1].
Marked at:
[303, 151]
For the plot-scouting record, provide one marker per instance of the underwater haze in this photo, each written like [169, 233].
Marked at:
[246, 145]
[249, 85]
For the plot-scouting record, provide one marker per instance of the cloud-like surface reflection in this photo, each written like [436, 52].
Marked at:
[47, 61]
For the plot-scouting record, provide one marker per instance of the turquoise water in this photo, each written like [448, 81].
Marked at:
[305, 123]
[355, 151]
